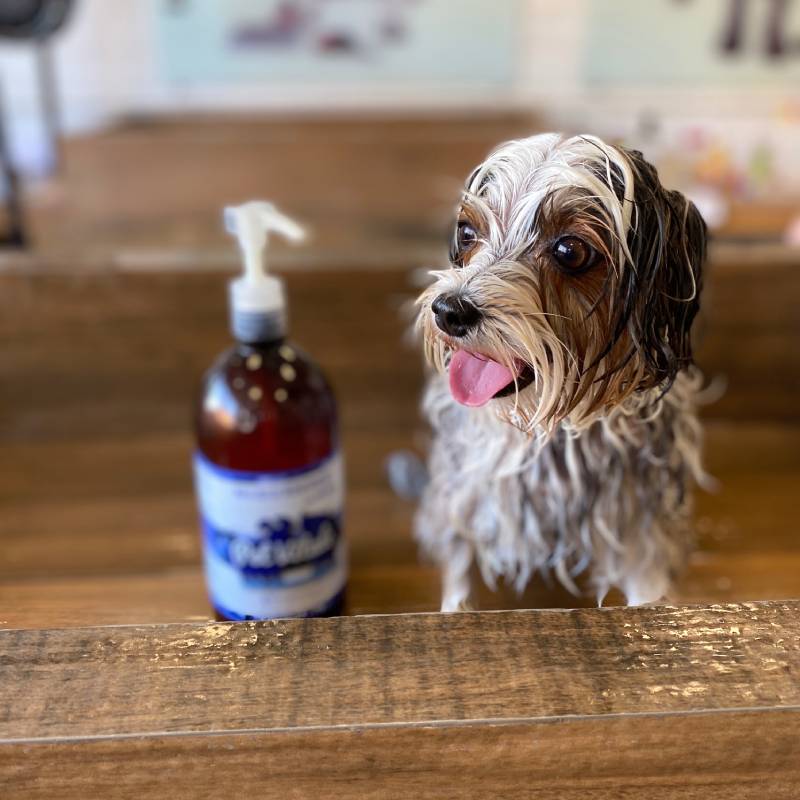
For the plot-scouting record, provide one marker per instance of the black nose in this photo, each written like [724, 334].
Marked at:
[455, 315]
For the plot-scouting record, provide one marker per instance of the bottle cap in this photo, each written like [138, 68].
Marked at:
[258, 299]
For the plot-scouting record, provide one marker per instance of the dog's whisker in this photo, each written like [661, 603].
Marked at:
[547, 314]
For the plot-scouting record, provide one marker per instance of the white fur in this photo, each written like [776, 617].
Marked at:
[613, 497]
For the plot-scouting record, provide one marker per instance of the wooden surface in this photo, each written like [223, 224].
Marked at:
[98, 522]
[107, 326]
[367, 187]
[674, 702]
[105, 330]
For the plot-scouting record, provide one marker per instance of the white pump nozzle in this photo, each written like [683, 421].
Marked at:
[258, 302]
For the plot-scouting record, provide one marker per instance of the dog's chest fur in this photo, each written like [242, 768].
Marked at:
[613, 497]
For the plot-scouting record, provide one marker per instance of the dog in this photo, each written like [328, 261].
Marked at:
[563, 397]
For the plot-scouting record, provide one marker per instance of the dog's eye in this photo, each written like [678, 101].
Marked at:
[465, 239]
[466, 236]
[573, 254]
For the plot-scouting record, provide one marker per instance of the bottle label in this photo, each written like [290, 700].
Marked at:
[272, 541]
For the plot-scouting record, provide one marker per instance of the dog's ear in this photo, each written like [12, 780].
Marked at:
[661, 288]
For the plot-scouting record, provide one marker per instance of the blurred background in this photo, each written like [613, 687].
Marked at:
[126, 126]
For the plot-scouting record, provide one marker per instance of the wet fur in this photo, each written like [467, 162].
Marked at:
[590, 467]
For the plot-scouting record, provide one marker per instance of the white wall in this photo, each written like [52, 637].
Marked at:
[104, 68]
[108, 65]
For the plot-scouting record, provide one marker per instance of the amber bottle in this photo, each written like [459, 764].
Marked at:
[268, 469]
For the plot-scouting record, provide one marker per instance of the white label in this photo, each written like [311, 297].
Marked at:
[272, 541]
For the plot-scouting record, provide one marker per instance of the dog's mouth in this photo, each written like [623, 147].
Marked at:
[476, 379]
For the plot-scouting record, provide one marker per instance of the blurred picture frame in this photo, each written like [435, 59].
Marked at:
[684, 43]
[337, 42]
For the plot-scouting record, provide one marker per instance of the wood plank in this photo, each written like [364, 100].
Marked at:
[161, 331]
[374, 183]
[370, 183]
[178, 595]
[136, 680]
[127, 506]
[72, 539]
[712, 756]
[674, 702]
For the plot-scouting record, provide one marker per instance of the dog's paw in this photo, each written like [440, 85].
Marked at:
[452, 605]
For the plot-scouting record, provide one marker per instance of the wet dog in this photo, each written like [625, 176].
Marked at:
[563, 402]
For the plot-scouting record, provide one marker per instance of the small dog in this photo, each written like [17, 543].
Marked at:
[565, 435]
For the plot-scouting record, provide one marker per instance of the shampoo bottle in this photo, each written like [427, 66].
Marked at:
[268, 471]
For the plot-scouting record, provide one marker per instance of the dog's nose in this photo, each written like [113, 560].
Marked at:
[455, 315]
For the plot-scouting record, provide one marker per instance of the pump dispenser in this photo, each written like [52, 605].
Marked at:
[268, 470]
[257, 298]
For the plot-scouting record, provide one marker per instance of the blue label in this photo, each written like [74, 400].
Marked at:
[309, 541]
[273, 543]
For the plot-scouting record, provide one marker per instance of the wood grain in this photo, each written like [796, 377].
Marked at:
[102, 344]
[376, 185]
[98, 522]
[684, 701]
[178, 595]
[713, 756]
[397, 669]
[363, 185]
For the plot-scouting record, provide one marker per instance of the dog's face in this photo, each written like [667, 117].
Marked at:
[573, 283]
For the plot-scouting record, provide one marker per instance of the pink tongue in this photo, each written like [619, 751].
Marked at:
[474, 380]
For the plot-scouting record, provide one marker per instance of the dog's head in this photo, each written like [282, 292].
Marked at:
[573, 283]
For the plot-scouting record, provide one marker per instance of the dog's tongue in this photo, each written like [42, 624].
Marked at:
[474, 380]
